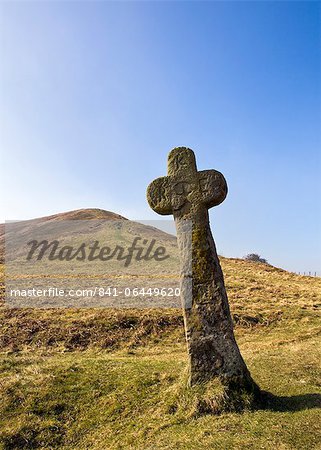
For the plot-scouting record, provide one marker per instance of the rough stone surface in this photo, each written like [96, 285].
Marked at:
[188, 194]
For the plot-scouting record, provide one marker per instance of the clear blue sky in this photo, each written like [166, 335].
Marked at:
[95, 94]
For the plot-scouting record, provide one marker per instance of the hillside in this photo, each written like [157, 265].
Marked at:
[78, 214]
[113, 378]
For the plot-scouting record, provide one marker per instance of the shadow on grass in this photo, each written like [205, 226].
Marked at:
[292, 403]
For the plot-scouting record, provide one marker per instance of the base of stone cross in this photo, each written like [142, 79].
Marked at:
[216, 397]
[215, 361]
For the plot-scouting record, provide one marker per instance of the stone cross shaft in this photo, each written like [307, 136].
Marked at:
[188, 194]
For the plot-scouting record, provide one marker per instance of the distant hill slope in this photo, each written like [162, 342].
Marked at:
[78, 214]
[25, 228]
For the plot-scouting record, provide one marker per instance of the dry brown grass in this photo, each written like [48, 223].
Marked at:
[112, 379]
[260, 295]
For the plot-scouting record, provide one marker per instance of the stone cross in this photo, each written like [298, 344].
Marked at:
[188, 194]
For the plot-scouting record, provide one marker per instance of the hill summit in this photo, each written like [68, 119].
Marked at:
[77, 214]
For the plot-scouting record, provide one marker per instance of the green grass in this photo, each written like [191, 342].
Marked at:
[136, 398]
[108, 379]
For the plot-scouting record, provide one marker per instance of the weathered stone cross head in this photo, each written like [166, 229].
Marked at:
[185, 191]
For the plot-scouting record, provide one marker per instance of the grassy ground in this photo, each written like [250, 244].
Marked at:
[90, 379]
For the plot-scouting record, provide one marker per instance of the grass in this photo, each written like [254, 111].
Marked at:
[115, 379]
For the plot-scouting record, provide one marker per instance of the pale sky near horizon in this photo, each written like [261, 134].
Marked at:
[95, 94]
